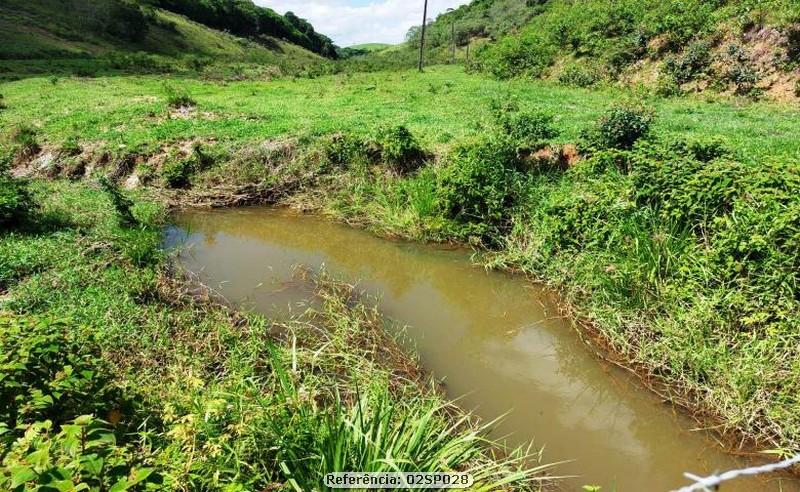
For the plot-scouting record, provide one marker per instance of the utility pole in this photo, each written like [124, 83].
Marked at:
[422, 38]
[453, 27]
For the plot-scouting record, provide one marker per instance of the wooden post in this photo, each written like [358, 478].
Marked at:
[422, 38]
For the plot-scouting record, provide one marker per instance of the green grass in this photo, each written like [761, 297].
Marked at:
[439, 106]
[103, 347]
[681, 252]
[370, 46]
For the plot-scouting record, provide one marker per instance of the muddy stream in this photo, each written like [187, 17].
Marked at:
[495, 340]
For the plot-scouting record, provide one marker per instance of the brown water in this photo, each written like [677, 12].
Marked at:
[494, 339]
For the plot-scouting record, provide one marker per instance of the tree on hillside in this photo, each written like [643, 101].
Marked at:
[244, 18]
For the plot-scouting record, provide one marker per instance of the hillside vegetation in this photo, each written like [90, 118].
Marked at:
[744, 47]
[244, 18]
[116, 35]
[747, 48]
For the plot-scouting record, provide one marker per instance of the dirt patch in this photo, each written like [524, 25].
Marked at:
[559, 157]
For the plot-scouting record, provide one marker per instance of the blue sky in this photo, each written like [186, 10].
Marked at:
[350, 22]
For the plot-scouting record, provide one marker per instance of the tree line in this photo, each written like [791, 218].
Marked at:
[244, 18]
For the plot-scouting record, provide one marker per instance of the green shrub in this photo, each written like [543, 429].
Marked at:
[478, 186]
[527, 129]
[694, 62]
[666, 86]
[25, 137]
[576, 75]
[81, 455]
[345, 150]
[15, 201]
[528, 54]
[178, 97]
[177, 172]
[49, 372]
[587, 212]
[399, 149]
[624, 52]
[621, 127]
[684, 188]
[744, 78]
[703, 150]
[2, 103]
[741, 73]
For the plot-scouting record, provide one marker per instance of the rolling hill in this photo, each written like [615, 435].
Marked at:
[121, 30]
[747, 48]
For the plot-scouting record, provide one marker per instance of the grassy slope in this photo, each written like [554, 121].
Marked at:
[371, 46]
[658, 292]
[35, 30]
[440, 106]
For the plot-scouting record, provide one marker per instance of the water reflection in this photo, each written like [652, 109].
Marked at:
[494, 339]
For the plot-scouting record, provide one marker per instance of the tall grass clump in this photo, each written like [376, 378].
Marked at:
[122, 205]
[377, 432]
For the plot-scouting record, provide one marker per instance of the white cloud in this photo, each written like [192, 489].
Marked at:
[350, 22]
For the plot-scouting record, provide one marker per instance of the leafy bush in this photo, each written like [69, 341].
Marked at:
[177, 172]
[126, 20]
[344, 150]
[621, 127]
[178, 97]
[587, 214]
[15, 201]
[527, 129]
[82, 455]
[666, 86]
[524, 55]
[694, 61]
[478, 186]
[741, 73]
[49, 372]
[576, 75]
[399, 149]
[684, 188]
[25, 137]
[2, 103]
